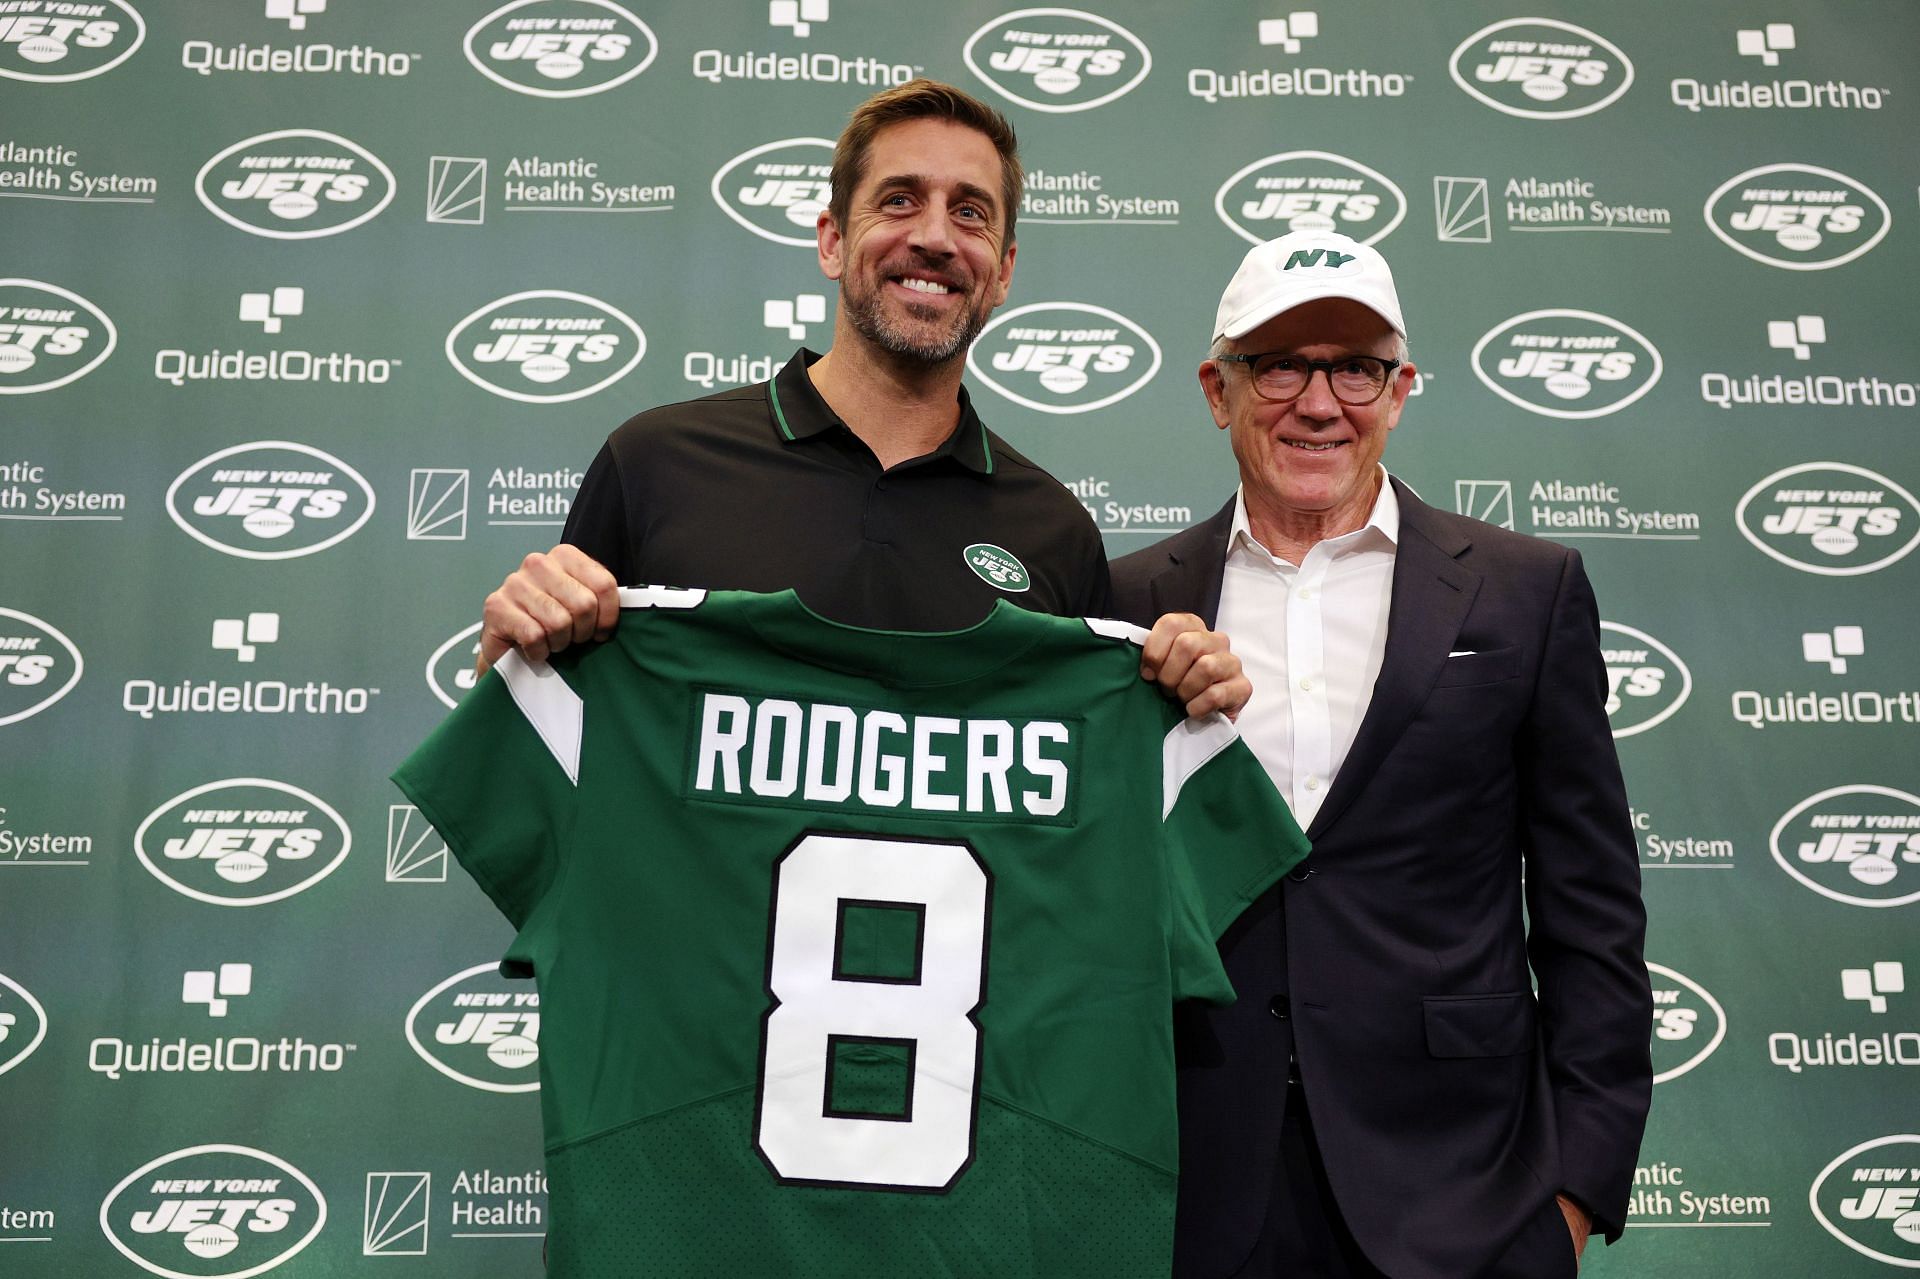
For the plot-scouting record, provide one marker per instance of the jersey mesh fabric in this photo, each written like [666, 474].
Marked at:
[648, 899]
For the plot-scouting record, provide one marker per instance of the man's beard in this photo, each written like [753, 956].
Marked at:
[871, 318]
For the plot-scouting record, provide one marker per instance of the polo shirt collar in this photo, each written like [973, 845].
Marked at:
[800, 414]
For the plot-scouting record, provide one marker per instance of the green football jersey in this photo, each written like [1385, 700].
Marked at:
[856, 950]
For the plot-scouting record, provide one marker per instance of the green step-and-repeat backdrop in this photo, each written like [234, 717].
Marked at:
[312, 313]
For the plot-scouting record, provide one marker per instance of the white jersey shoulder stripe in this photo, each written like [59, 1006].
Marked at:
[1115, 629]
[661, 597]
[554, 710]
[1186, 749]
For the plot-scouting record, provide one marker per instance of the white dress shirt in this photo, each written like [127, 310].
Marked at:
[1311, 637]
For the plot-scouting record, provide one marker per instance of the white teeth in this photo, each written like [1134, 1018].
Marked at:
[923, 286]
[1313, 448]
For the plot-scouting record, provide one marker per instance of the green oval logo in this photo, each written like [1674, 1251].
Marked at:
[998, 567]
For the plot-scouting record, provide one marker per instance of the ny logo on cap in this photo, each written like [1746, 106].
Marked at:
[1312, 257]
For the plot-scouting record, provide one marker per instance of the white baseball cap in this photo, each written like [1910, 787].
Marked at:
[1304, 267]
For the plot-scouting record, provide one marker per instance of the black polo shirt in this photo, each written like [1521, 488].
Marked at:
[763, 488]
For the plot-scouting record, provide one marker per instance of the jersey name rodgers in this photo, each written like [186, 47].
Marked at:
[854, 948]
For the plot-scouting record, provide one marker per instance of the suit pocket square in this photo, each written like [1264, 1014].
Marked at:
[1470, 667]
[1479, 1025]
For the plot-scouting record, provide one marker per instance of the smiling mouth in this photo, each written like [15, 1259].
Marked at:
[920, 284]
[1307, 446]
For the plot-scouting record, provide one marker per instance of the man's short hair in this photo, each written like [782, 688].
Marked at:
[923, 99]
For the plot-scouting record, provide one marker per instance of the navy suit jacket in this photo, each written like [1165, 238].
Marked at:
[1450, 1100]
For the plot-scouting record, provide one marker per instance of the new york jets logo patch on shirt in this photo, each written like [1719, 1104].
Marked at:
[998, 567]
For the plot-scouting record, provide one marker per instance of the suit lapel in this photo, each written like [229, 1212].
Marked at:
[1191, 580]
[1432, 592]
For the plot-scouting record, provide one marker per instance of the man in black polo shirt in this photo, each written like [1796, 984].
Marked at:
[861, 478]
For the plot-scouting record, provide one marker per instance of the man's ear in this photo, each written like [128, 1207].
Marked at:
[830, 243]
[1214, 384]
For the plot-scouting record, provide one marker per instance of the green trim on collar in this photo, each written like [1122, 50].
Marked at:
[986, 447]
[779, 416]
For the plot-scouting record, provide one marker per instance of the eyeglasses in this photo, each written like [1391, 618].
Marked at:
[1355, 380]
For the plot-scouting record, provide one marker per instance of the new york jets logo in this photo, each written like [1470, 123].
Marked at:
[560, 48]
[213, 1212]
[1855, 844]
[1566, 364]
[38, 666]
[1869, 1199]
[545, 346]
[23, 1023]
[778, 190]
[1646, 681]
[480, 1029]
[244, 841]
[58, 41]
[1309, 191]
[1797, 217]
[1541, 69]
[1688, 1023]
[997, 566]
[270, 500]
[49, 336]
[295, 184]
[1057, 59]
[1064, 357]
[1830, 518]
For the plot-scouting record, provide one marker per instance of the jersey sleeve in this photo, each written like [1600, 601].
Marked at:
[1229, 838]
[496, 779]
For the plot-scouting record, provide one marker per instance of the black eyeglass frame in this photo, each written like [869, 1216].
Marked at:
[1314, 366]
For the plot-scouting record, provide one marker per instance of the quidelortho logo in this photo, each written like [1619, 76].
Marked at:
[1541, 69]
[1803, 336]
[295, 184]
[1646, 681]
[1798, 217]
[49, 336]
[245, 637]
[450, 670]
[1854, 844]
[273, 310]
[217, 992]
[819, 66]
[1310, 191]
[1566, 364]
[38, 666]
[1830, 518]
[1688, 1023]
[266, 57]
[1064, 357]
[270, 500]
[244, 841]
[1874, 1027]
[545, 346]
[778, 190]
[1869, 1199]
[1057, 59]
[1767, 44]
[57, 41]
[1289, 36]
[1835, 650]
[560, 48]
[480, 1029]
[23, 1023]
[213, 1212]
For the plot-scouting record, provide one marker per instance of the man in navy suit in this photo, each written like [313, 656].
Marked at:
[1438, 1066]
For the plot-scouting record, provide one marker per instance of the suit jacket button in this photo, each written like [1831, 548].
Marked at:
[1281, 1007]
[1299, 873]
